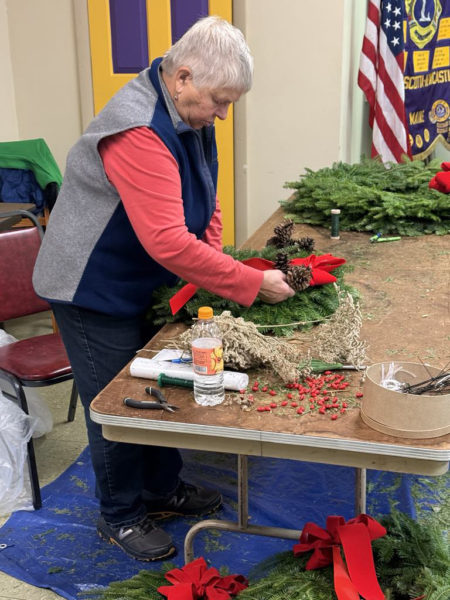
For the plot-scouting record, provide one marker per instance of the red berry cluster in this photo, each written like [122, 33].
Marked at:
[315, 394]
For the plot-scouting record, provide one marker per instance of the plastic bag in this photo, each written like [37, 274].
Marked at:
[16, 429]
[37, 406]
[39, 411]
[389, 380]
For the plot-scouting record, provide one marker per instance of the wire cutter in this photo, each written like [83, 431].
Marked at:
[161, 402]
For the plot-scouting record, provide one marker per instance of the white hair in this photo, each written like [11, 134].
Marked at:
[217, 54]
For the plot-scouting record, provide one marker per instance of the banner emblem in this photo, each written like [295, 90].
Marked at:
[440, 114]
[423, 20]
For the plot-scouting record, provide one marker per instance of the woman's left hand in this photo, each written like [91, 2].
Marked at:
[274, 288]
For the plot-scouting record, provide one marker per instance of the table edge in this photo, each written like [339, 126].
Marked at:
[327, 443]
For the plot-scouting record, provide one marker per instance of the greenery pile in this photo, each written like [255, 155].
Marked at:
[392, 199]
[411, 560]
[308, 307]
[244, 348]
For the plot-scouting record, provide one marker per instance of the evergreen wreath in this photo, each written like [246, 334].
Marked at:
[412, 559]
[302, 311]
[392, 199]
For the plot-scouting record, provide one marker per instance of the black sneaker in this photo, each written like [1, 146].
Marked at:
[142, 541]
[187, 501]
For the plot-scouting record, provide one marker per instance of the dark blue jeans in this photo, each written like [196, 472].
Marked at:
[99, 346]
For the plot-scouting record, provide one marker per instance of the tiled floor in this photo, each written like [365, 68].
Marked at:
[55, 451]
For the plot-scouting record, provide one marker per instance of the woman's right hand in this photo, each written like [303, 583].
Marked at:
[274, 287]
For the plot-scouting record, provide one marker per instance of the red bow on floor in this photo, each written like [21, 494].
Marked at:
[441, 181]
[355, 536]
[320, 267]
[195, 581]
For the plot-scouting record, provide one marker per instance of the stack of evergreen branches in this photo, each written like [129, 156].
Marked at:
[412, 560]
[310, 306]
[392, 199]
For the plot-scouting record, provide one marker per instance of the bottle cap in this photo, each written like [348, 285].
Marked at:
[205, 312]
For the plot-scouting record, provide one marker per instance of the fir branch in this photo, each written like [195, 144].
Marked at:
[372, 197]
[408, 555]
[284, 576]
[143, 586]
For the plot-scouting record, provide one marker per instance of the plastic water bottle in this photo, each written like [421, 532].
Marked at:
[207, 359]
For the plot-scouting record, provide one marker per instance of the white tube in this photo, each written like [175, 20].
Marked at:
[150, 369]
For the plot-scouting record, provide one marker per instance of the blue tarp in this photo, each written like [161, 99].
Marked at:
[57, 547]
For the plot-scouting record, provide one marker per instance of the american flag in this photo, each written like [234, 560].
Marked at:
[381, 78]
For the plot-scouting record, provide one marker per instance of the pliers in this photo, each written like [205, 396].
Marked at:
[161, 403]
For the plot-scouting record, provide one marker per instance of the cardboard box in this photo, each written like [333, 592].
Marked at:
[404, 415]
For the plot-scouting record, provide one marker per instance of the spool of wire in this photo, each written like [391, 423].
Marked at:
[335, 212]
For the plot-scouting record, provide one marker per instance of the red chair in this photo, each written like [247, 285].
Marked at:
[36, 361]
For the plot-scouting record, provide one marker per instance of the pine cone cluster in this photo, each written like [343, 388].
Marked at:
[299, 277]
[305, 243]
[282, 262]
[283, 238]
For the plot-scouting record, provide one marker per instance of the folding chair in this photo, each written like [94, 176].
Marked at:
[35, 361]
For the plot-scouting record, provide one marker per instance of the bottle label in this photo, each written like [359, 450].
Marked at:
[207, 361]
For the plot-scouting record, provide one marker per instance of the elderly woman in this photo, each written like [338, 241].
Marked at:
[138, 209]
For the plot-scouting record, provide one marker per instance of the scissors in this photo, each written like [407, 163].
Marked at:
[161, 402]
[182, 359]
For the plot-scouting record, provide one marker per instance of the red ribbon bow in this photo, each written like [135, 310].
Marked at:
[320, 275]
[441, 181]
[355, 536]
[320, 266]
[195, 581]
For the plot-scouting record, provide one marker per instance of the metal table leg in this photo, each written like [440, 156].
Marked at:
[360, 491]
[242, 525]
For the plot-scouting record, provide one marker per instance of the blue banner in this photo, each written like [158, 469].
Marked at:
[427, 74]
